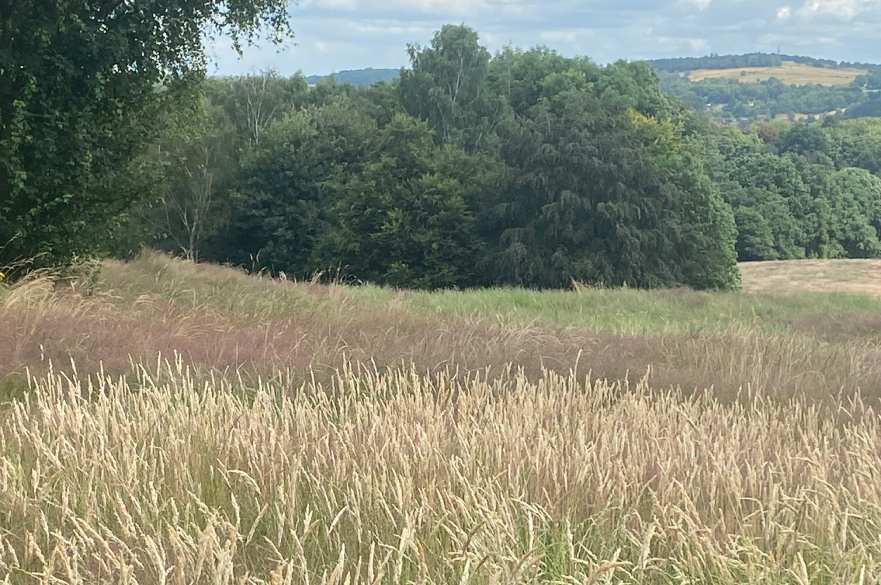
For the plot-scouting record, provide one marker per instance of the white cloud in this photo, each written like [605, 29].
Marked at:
[335, 4]
[322, 47]
[683, 46]
[572, 37]
[698, 45]
[843, 9]
[451, 7]
[559, 36]
[784, 13]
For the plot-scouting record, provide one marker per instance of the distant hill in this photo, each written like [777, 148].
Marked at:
[758, 86]
[789, 72]
[358, 77]
[687, 64]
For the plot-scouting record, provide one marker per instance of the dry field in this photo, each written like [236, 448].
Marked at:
[789, 72]
[176, 424]
[829, 276]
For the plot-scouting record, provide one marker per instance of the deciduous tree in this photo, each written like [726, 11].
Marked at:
[81, 85]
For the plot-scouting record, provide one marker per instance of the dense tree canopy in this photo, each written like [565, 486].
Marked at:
[803, 190]
[403, 218]
[288, 184]
[81, 85]
[524, 168]
[604, 187]
[447, 86]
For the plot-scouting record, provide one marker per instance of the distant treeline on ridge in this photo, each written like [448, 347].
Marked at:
[682, 64]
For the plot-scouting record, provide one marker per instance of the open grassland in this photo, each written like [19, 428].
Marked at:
[172, 423]
[789, 72]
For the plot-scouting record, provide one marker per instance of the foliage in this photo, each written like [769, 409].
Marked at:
[521, 168]
[526, 168]
[806, 190]
[715, 61]
[255, 102]
[186, 174]
[603, 192]
[857, 143]
[871, 80]
[403, 219]
[729, 99]
[446, 86]
[286, 186]
[81, 86]
[684, 64]
[856, 205]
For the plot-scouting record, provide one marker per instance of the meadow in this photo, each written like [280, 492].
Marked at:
[164, 422]
[789, 72]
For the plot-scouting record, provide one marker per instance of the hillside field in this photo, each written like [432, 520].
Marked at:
[789, 72]
[164, 422]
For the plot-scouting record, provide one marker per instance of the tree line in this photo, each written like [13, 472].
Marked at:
[521, 168]
[732, 101]
[809, 190]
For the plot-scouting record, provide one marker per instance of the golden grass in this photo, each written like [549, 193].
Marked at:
[323, 435]
[841, 276]
[397, 477]
[789, 72]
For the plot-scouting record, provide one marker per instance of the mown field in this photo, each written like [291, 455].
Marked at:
[827, 276]
[789, 72]
[169, 423]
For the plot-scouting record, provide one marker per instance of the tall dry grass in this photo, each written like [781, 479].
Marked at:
[398, 477]
[474, 447]
[222, 320]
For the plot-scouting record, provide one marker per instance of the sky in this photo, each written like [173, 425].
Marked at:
[333, 35]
